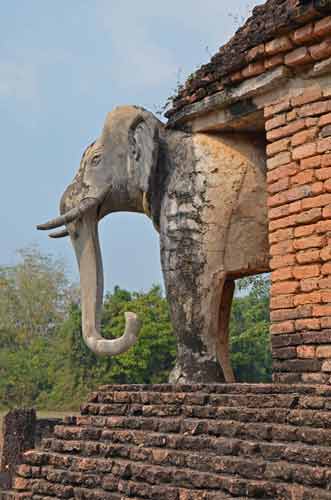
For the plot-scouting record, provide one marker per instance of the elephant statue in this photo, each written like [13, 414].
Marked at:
[206, 196]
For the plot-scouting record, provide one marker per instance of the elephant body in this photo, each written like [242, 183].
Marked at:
[206, 195]
[213, 229]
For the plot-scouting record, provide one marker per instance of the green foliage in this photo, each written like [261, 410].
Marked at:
[249, 329]
[151, 359]
[34, 296]
[54, 368]
[24, 374]
[45, 363]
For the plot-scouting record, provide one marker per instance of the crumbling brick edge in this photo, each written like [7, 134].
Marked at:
[21, 431]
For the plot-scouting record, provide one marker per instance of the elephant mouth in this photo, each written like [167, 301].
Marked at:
[72, 216]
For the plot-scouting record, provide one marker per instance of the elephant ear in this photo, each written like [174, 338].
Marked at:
[144, 146]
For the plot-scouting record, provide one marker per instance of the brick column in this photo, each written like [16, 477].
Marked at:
[18, 435]
[299, 184]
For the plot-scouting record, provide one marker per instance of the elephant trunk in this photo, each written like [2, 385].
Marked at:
[87, 248]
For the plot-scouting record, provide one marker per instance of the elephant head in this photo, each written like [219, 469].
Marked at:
[114, 175]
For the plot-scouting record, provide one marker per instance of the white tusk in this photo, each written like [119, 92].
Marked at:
[61, 220]
[59, 234]
[70, 216]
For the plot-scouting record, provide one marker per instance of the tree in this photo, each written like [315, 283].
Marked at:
[249, 329]
[153, 356]
[34, 296]
[34, 299]
[24, 374]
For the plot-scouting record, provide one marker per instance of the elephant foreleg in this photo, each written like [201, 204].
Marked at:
[222, 342]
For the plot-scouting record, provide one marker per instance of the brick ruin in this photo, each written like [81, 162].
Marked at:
[196, 442]
[272, 80]
[21, 431]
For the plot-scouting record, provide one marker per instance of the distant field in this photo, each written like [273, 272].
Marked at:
[44, 414]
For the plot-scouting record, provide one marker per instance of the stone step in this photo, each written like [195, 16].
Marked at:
[314, 419]
[87, 427]
[127, 490]
[148, 481]
[122, 443]
[322, 390]
[55, 484]
[249, 400]
[187, 443]
[248, 467]
[311, 417]
[16, 495]
[63, 464]
[194, 439]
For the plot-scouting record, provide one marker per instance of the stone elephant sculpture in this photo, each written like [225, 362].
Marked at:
[206, 195]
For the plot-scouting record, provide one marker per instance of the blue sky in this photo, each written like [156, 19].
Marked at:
[63, 66]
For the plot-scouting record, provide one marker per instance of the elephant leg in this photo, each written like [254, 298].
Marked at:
[193, 291]
[222, 346]
[194, 298]
[200, 309]
[194, 280]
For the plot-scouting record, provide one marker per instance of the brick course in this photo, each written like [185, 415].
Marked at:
[300, 230]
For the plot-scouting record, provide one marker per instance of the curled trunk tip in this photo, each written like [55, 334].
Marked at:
[89, 259]
[113, 347]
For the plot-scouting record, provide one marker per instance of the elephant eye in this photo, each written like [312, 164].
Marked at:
[96, 159]
[134, 149]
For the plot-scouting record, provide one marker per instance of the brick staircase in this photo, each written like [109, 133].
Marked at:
[201, 442]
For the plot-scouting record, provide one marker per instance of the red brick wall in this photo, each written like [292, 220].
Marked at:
[299, 183]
